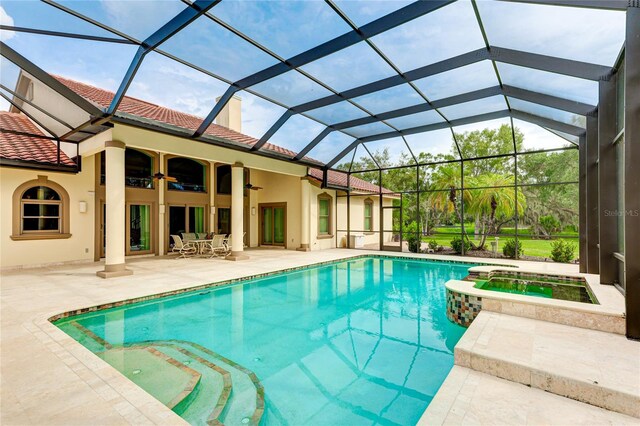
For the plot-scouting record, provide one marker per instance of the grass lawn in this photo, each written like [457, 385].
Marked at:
[530, 246]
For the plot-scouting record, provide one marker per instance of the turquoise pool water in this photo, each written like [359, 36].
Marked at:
[362, 341]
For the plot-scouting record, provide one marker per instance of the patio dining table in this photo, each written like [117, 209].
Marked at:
[200, 244]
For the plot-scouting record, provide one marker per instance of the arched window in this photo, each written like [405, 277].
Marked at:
[189, 175]
[325, 215]
[41, 210]
[138, 169]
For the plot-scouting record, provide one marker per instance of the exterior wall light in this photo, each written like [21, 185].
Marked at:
[82, 206]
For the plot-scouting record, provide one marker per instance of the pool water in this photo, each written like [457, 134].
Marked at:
[362, 341]
[548, 290]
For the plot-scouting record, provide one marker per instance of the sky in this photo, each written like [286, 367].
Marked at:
[290, 27]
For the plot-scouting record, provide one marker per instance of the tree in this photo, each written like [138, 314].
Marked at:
[495, 203]
[558, 201]
[486, 143]
[439, 180]
[445, 183]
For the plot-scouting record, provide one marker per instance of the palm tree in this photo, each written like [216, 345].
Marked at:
[446, 182]
[495, 201]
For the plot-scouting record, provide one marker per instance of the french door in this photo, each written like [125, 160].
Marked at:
[139, 229]
[138, 232]
[186, 219]
[273, 224]
[224, 220]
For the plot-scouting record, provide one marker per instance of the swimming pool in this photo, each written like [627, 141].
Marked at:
[352, 342]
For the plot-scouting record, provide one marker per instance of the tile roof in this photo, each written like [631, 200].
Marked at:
[25, 147]
[102, 98]
[137, 107]
[340, 179]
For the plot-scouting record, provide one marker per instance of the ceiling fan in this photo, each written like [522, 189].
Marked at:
[254, 188]
[160, 176]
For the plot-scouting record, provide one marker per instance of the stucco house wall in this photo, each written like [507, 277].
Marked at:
[78, 247]
[357, 218]
[320, 242]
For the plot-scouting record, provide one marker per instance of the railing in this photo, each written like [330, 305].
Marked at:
[183, 186]
[135, 182]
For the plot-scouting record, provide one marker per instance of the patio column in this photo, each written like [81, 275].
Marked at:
[114, 265]
[212, 197]
[237, 213]
[305, 212]
[162, 242]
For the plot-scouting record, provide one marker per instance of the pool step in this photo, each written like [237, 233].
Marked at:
[167, 379]
[246, 403]
[228, 394]
[214, 393]
[557, 358]
[224, 392]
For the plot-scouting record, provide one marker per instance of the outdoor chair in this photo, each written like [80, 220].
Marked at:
[228, 242]
[182, 248]
[217, 246]
[186, 236]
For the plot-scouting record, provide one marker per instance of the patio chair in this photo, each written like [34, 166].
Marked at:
[217, 246]
[186, 236]
[183, 248]
[227, 243]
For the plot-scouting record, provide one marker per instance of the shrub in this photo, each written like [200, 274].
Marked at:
[412, 237]
[414, 243]
[456, 245]
[550, 224]
[509, 248]
[562, 251]
[433, 245]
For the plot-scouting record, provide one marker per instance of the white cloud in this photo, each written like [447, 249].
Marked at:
[142, 17]
[582, 34]
[5, 19]
[258, 115]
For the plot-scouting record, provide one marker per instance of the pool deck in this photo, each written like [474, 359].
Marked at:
[48, 378]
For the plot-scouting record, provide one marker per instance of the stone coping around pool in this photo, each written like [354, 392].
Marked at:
[487, 271]
[556, 358]
[464, 302]
[128, 399]
[58, 316]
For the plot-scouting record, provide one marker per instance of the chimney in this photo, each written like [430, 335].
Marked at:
[231, 115]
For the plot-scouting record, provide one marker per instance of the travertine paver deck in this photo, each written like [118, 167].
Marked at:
[591, 366]
[468, 397]
[49, 378]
